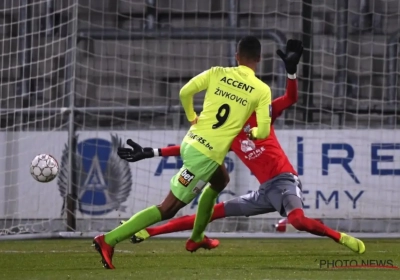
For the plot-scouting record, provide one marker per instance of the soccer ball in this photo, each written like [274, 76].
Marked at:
[44, 168]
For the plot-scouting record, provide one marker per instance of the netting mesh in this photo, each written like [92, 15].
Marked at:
[349, 43]
[119, 65]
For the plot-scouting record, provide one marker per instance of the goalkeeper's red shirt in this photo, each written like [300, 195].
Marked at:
[265, 158]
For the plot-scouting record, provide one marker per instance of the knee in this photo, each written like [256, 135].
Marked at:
[220, 179]
[296, 220]
[296, 223]
[167, 212]
[227, 180]
[220, 185]
[218, 188]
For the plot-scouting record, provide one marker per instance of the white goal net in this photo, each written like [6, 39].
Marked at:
[80, 77]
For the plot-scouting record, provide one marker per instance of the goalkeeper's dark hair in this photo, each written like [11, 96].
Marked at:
[249, 48]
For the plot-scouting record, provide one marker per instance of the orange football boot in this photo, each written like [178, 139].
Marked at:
[206, 243]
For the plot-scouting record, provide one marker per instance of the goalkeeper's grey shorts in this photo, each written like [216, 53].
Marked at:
[283, 194]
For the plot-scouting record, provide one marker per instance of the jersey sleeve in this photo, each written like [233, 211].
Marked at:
[282, 103]
[195, 85]
[263, 115]
[170, 151]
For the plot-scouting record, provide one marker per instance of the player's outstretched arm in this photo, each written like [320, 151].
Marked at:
[169, 151]
[136, 152]
[291, 58]
[281, 103]
[195, 85]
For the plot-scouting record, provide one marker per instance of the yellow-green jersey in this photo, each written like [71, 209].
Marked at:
[233, 94]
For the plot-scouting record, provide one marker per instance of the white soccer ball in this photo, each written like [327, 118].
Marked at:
[44, 168]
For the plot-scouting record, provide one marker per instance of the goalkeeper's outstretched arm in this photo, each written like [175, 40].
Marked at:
[168, 151]
[291, 58]
[281, 103]
[137, 152]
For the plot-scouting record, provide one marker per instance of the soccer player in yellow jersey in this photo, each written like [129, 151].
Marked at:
[233, 94]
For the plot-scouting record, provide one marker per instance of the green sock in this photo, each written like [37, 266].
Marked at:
[204, 213]
[137, 222]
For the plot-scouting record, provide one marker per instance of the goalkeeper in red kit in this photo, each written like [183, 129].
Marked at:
[280, 188]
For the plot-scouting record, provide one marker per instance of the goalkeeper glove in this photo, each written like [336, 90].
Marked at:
[292, 55]
[136, 153]
[250, 134]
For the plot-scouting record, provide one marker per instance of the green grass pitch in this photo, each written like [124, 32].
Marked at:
[167, 259]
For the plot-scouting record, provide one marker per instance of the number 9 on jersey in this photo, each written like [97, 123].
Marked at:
[222, 115]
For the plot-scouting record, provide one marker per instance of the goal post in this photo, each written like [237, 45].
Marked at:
[89, 74]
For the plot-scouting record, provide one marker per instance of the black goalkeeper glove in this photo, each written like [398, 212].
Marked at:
[294, 50]
[136, 153]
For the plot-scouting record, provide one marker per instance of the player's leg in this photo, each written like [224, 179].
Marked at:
[105, 243]
[195, 174]
[245, 205]
[251, 204]
[293, 207]
[184, 188]
[299, 221]
[285, 194]
[219, 180]
[176, 225]
[151, 215]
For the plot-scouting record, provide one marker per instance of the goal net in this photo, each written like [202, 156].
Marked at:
[80, 77]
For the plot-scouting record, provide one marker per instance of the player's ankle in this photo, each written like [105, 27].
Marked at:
[197, 238]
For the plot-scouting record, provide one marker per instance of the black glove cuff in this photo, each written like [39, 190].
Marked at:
[291, 69]
[149, 152]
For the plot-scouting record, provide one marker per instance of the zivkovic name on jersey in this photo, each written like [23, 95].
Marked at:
[231, 96]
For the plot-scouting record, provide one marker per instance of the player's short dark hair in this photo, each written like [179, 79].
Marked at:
[249, 47]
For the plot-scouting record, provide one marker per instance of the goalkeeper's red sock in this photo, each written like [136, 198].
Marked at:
[297, 219]
[184, 222]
